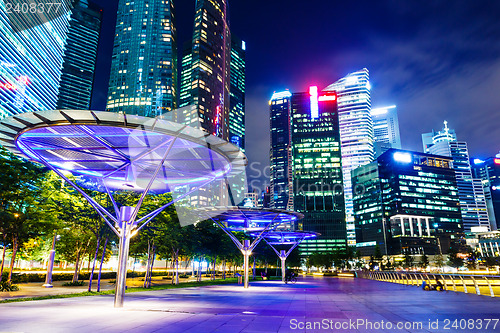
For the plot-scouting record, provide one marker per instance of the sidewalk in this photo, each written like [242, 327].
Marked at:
[313, 304]
[36, 289]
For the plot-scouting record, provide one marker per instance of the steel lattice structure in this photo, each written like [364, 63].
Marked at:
[258, 221]
[285, 237]
[111, 152]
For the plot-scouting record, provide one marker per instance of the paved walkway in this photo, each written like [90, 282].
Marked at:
[36, 289]
[321, 304]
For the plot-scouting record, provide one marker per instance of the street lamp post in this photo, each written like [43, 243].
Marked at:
[50, 266]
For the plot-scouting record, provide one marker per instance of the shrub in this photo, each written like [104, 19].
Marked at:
[74, 284]
[5, 286]
[40, 277]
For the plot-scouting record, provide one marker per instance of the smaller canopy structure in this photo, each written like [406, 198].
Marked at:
[257, 221]
[285, 237]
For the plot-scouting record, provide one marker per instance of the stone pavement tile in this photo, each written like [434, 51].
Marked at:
[264, 325]
[335, 315]
[287, 329]
[230, 328]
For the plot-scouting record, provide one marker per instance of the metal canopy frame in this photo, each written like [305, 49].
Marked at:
[93, 144]
[259, 220]
[286, 237]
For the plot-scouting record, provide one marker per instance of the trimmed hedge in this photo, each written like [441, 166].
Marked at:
[37, 277]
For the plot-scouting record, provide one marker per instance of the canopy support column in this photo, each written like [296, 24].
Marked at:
[125, 235]
[283, 265]
[247, 250]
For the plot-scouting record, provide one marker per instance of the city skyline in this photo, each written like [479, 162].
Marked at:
[434, 63]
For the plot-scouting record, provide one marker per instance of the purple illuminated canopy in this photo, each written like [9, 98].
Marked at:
[235, 218]
[285, 237]
[120, 151]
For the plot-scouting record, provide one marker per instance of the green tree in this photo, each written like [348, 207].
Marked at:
[21, 203]
[74, 245]
[424, 261]
[453, 259]
[322, 260]
[491, 262]
[408, 261]
[439, 261]
[472, 258]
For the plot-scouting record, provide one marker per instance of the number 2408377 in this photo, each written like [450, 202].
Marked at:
[33, 8]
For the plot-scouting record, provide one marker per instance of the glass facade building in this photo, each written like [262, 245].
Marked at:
[185, 83]
[80, 57]
[356, 132]
[205, 76]
[385, 129]
[281, 188]
[471, 193]
[317, 169]
[31, 60]
[144, 65]
[406, 203]
[432, 138]
[237, 93]
[488, 171]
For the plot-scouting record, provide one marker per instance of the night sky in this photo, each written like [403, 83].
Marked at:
[436, 60]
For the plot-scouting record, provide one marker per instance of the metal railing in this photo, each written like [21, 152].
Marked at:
[488, 285]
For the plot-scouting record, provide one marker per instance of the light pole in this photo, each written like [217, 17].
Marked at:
[50, 266]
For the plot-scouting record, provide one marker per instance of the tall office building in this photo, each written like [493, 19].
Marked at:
[385, 129]
[186, 81]
[471, 193]
[406, 202]
[31, 58]
[356, 133]
[488, 171]
[432, 138]
[206, 68]
[281, 151]
[144, 65]
[80, 57]
[317, 170]
[237, 92]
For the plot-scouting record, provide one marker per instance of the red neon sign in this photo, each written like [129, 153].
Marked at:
[217, 120]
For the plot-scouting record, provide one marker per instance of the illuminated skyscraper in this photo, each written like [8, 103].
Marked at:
[144, 66]
[406, 203]
[385, 129]
[80, 57]
[356, 133]
[432, 138]
[317, 171]
[281, 151]
[237, 93]
[206, 70]
[31, 58]
[472, 197]
[186, 78]
[488, 171]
